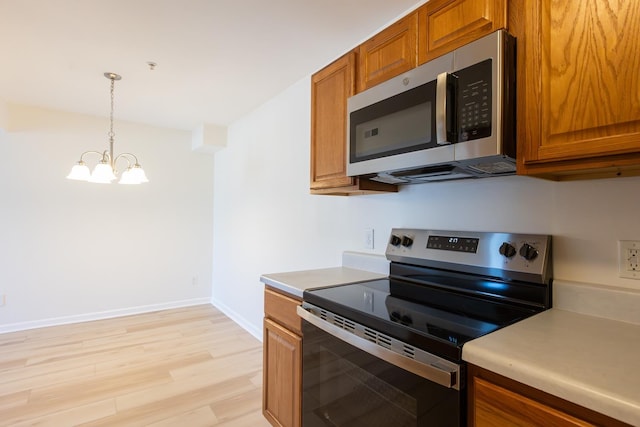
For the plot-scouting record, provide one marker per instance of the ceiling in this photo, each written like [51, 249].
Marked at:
[216, 59]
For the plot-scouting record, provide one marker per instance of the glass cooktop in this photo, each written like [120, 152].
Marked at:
[436, 320]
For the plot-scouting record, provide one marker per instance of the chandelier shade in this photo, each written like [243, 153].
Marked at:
[127, 178]
[105, 171]
[80, 172]
[102, 173]
[133, 175]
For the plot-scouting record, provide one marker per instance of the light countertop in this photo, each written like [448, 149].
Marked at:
[587, 360]
[565, 351]
[296, 282]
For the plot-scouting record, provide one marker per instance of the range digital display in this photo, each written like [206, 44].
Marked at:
[450, 243]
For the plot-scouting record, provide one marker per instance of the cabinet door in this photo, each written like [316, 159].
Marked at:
[447, 24]
[579, 106]
[390, 52]
[330, 88]
[495, 406]
[282, 371]
[497, 401]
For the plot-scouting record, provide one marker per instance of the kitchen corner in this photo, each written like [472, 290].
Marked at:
[356, 267]
[584, 350]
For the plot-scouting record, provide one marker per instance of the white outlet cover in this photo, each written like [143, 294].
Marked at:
[628, 258]
[368, 238]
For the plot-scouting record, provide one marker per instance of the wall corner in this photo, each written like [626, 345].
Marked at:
[208, 139]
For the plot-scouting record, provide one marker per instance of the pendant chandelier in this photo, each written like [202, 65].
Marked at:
[105, 171]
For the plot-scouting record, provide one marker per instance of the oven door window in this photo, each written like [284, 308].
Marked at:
[400, 124]
[344, 386]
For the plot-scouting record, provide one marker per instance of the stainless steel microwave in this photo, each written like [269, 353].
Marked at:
[450, 118]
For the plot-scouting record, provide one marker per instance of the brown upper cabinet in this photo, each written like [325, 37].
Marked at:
[432, 30]
[445, 25]
[578, 93]
[330, 88]
[390, 52]
[578, 87]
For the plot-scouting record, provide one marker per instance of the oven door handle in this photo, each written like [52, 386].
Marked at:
[443, 375]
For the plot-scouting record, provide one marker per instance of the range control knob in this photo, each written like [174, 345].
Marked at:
[507, 250]
[528, 252]
[407, 241]
[395, 240]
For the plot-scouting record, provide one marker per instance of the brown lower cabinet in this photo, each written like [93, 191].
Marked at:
[282, 365]
[498, 401]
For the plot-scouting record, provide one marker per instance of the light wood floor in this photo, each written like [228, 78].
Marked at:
[184, 367]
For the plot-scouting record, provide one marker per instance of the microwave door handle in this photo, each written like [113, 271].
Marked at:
[441, 109]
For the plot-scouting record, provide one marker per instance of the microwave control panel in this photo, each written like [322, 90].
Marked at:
[474, 101]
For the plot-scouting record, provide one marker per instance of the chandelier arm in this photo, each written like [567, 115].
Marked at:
[92, 152]
[124, 156]
[128, 154]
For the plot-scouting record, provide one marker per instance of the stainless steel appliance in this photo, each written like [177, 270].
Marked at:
[451, 118]
[389, 352]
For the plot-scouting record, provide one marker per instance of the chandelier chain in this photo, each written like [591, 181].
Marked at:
[111, 134]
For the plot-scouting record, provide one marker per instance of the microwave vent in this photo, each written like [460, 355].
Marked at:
[494, 168]
[424, 174]
[389, 179]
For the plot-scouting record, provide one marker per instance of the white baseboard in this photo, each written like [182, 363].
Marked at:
[241, 321]
[22, 326]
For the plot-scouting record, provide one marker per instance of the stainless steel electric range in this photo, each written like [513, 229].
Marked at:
[389, 352]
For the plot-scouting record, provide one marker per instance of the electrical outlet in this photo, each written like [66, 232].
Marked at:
[3, 300]
[194, 280]
[368, 238]
[629, 258]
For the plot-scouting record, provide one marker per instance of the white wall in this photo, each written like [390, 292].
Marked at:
[72, 250]
[265, 221]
